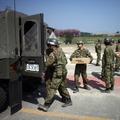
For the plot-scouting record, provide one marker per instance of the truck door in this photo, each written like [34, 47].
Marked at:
[32, 45]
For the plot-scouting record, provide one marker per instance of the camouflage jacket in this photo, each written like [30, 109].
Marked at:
[98, 48]
[81, 53]
[108, 56]
[56, 58]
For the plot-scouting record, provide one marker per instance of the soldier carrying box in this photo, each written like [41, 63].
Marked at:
[80, 68]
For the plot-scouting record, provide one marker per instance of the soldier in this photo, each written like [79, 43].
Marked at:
[80, 68]
[98, 51]
[117, 65]
[111, 44]
[108, 66]
[55, 62]
[48, 72]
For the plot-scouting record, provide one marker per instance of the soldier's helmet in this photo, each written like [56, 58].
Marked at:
[118, 40]
[79, 42]
[107, 41]
[112, 40]
[52, 41]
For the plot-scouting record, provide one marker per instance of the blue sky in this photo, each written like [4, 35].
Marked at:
[85, 15]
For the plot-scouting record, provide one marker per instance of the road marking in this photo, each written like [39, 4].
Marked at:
[60, 115]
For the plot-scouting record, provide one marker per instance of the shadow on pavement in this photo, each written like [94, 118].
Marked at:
[70, 84]
[96, 74]
[95, 84]
[91, 82]
[32, 96]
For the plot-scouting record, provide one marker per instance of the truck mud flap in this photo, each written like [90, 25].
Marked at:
[15, 95]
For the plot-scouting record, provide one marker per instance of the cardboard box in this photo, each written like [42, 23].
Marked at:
[80, 60]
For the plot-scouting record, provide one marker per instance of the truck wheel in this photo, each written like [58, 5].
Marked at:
[3, 99]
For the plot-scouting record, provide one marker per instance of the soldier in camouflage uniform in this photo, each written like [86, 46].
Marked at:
[108, 66]
[117, 65]
[55, 71]
[80, 68]
[98, 51]
[111, 44]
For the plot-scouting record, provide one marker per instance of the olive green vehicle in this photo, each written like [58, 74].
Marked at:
[22, 45]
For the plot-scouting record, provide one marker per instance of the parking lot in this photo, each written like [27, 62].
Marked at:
[87, 105]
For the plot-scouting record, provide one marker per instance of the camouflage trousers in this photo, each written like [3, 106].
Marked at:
[54, 84]
[80, 69]
[108, 75]
[98, 58]
[117, 65]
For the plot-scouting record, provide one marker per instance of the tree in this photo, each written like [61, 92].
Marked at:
[68, 34]
[117, 32]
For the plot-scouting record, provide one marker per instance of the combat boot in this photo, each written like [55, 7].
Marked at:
[112, 87]
[44, 107]
[86, 87]
[76, 90]
[107, 90]
[97, 64]
[67, 103]
[63, 99]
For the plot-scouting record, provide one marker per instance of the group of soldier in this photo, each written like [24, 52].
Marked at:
[98, 50]
[110, 62]
[56, 72]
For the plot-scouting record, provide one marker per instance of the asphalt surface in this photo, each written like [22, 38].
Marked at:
[87, 105]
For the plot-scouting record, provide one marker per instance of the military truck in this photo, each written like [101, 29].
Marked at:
[22, 45]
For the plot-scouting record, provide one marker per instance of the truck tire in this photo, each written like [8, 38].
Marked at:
[3, 99]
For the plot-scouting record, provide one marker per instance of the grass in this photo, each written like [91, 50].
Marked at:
[90, 38]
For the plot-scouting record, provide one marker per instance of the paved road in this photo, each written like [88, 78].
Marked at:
[87, 105]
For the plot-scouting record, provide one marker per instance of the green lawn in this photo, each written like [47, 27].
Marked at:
[87, 40]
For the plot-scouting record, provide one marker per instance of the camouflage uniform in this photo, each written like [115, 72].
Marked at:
[108, 66]
[117, 65]
[98, 51]
[56, 70]
[80, 68]
[55, 74]
[103, 62]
